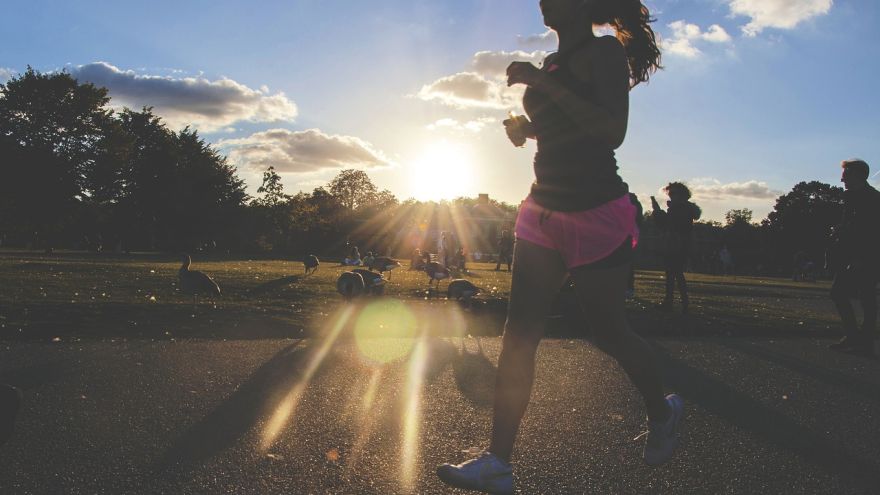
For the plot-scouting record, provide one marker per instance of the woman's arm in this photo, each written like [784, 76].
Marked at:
[605, 66]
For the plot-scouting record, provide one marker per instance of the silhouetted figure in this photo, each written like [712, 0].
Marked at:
[855, 258]
[353, 258]
[443, 249]
[577, 220]
[416, 261]
[505, 250]
[311, 264]
[726, 259]
[368, 259]
[640, 217]
[195, 282]
[677, 224]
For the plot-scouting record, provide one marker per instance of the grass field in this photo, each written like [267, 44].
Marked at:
[72, 295]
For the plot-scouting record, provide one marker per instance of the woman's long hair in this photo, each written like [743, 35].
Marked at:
[632, 22]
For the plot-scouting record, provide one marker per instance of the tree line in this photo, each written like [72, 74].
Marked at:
[78, 174]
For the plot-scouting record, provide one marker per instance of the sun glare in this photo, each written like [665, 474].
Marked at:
[443, 170]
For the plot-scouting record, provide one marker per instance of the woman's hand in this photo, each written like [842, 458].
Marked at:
[518, 129]
[524, 73]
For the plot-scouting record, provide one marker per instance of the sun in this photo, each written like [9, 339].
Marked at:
[443, 170]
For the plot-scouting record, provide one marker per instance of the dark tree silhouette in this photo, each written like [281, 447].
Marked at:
[50, 126]
[802, 220]
[353, 188]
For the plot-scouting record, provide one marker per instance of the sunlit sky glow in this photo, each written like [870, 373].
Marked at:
[756, 96]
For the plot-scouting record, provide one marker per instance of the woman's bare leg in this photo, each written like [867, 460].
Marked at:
[601, 295]
[538, 273]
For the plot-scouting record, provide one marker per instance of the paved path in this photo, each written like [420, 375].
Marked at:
[317, 416]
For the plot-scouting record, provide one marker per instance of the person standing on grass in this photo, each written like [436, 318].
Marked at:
[855, 258]
[677, 224]
[578, 220]
[505, 250]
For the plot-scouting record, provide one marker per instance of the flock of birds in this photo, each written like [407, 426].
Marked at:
[350, 284]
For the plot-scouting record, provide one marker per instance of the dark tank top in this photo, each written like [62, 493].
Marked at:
[573, 171]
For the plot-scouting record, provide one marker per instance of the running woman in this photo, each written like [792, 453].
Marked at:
[578, 220]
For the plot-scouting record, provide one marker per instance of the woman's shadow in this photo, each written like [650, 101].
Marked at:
[474, 375]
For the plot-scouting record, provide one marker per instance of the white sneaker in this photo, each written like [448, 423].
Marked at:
[487, 473]
[662, 439]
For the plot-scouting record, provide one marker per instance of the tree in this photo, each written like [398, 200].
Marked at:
[802, 219]
[50, 125]
[353, 188]
[272, 189]
[734, 217]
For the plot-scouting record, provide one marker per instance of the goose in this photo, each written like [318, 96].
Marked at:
[435, 271]
[311, 263]
[195, 282]
[461, 289]
[374, 283]
[350, 285]
[383, 264]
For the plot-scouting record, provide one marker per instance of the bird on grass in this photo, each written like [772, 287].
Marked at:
[461, 290]
[350, 285]
[311, 264]
[383, 264]
[374, 283]
[195, 282]
[436, 271]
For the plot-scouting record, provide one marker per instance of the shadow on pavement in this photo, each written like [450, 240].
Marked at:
[743, 412]
[252, 401]
[854, 384]
[475, 375]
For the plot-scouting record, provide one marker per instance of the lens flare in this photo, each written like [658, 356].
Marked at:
[384, 331]
[287, 408]
[412, 416]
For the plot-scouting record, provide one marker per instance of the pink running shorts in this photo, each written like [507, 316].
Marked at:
[580, 237]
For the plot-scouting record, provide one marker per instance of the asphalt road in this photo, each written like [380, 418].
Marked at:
[318, 416]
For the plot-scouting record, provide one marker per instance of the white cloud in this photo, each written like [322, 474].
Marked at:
[685, 35]
[485, 86]
[548, 39]
[471, 90]
[473, 126]
[301, 151]
[781, 14]
[713, 189]
[494, 64]
[208, 105]
[6, 74]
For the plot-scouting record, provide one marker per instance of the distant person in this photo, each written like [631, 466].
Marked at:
[578, 220]
[443, 249]
[368, 259]
[415, 260]
[354, 257]
[726, 258]
[460, 261]
[797, 266]
[856, 266]
[677, 224]
[505, 250]
[640, 217]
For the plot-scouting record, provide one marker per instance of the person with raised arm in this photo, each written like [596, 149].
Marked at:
[578, 220]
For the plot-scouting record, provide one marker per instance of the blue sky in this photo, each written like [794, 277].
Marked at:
[756, 95]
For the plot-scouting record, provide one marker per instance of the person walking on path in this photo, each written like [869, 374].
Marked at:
[677, 224]
[578, 220]
[640, 216]
[855, 259]
[505, 250]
